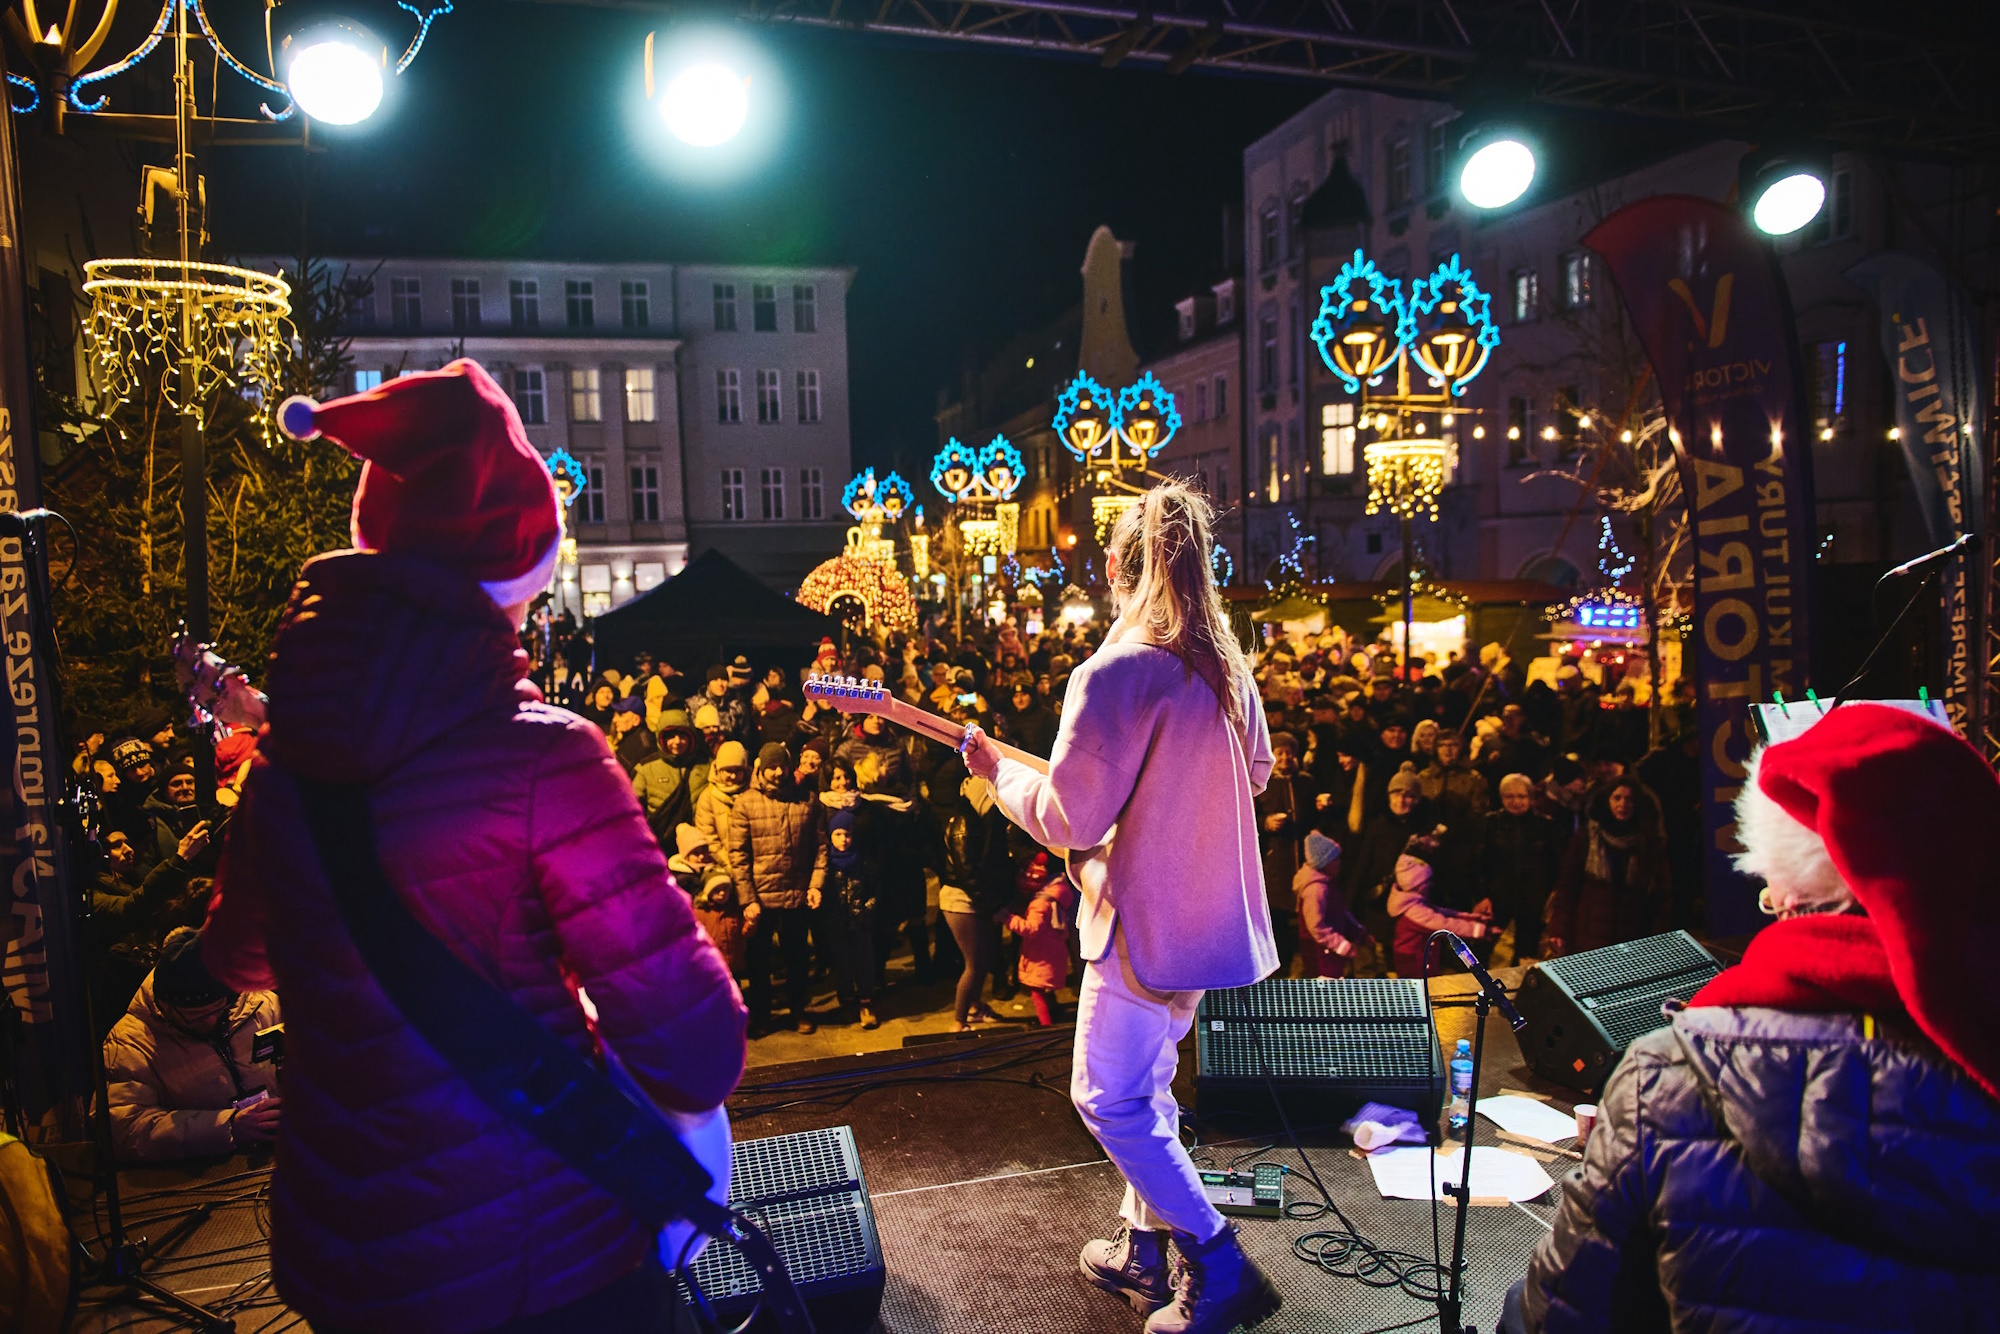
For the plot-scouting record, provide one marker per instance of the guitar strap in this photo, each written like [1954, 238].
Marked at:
[618, 1142]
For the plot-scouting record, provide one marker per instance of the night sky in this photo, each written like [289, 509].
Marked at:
[962, 182]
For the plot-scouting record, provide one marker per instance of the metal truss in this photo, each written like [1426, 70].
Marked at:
[1921, 89]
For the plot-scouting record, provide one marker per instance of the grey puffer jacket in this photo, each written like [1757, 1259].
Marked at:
[1756, 1171]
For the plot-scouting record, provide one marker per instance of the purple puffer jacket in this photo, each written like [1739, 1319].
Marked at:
[401, 1201]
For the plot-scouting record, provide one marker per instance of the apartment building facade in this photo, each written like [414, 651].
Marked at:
[624, 370]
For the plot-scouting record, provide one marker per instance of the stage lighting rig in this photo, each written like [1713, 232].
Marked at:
[1497, 164]
[1782, 189]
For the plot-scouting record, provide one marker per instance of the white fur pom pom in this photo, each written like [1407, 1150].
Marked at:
[1790, 858]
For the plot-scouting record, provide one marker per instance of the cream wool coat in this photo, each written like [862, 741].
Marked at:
[1147, 771]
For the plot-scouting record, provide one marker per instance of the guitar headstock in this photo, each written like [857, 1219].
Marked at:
[215, 689]
[849, 695]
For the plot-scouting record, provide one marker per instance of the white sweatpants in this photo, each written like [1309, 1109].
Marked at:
[1122, 1082]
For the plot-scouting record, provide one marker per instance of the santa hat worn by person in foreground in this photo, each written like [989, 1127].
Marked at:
[448, 475]
[1877, 809]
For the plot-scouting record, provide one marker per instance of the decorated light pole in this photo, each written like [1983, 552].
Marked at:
[1115, 436]
[979, 485]
[1368, 329]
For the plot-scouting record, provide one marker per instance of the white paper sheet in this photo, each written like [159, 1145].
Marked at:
[1401, 1173]
[1525, 1116]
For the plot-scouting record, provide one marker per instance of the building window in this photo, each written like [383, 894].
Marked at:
[1268, 447]
[1434, 161]
[1295, 223]
[1267, 353]
[580, 295]
[805, 308]
[590, 505]
[528, 398]
[1397, 161]
[524, 303]
[774, 493]
[640, 405]
[764, 307]
[1576, 279]
[1185, 310]
[1336, 439]
[770, 405]
[808, 397]
[725, 307]
[360, 304]
[1222, 486]
[1221, 397]
[1374, 544]
[812, 494]
[645, 471]
[1520, 431]
[635, 305]
[1267, 237]
[1225, 303]
[1826, 364]
[586, 403]
[732, 493]
[728, 397]
[1201, 400]
[1527, 291]
[406, 303]
[465, 303]
[1294, 343]
[366, 380]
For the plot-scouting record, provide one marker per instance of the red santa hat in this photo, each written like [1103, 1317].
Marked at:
[448, 475]
[1884, 807]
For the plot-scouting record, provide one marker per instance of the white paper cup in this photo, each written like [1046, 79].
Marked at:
[1586, 1120]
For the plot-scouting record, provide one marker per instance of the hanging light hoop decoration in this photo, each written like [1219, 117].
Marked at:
[568, 474]
[1084, 416]
[1000, 468]
[239, 319]
[1451, 326]
[1406, 476]
[1146, 417]
[955, 471]
[1106, 511]
[1363, 323]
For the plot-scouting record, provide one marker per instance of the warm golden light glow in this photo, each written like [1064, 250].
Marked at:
[1405, 477]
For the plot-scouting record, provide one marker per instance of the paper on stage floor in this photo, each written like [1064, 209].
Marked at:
[1400, 1174]
[1525, 1116]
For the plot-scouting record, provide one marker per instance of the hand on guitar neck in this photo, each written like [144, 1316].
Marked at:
[851, 696]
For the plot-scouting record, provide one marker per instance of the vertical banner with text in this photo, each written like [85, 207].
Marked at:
[1709, 303]
[39, 968]
[1933, 354]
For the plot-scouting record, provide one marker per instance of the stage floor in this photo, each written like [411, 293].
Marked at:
[984, 1184]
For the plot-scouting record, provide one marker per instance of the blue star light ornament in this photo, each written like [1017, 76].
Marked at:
[954, 471]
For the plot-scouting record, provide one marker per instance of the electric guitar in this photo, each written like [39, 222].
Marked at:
[844, 693]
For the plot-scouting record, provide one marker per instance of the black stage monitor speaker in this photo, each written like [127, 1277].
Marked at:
[1327, 1045]
[805, 1191]
[1583, 1010]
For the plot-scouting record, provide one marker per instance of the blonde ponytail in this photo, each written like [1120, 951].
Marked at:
[1166, 588]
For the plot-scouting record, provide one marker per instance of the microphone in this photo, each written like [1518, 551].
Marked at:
[1929, 559]
[1494, 991]
[15, 523]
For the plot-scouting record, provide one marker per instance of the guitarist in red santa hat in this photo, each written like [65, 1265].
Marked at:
[404, 1200]
[1813, 1143]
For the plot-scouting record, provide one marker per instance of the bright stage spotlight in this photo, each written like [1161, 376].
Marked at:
[1497, 167]
[1786, 197]
[705, 104]
[335, 71]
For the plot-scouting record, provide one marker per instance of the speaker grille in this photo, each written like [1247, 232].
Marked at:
[1616, 967]
[822, 1239]
[787, 1165]
[1312, 1000]
[1391, 1054]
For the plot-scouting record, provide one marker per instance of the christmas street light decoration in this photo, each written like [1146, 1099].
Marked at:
[568, 474]
[1451, 325]
[1406, 477]
[1360, 327]
[1084, 416]
[1147, 417]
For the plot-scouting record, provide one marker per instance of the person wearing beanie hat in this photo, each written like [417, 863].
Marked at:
[1519, 855]
[777, 856]
[1416, 911]
[1328, 933]
[508, 828]
[630, 741]
[1810, 1143]
[1368, 863]
[847, 916]
[699, 872]
[670, 781]
[1285, 811]
[728, 779]
[178, 1063]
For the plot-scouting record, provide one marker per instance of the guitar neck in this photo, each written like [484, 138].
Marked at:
[948, 733]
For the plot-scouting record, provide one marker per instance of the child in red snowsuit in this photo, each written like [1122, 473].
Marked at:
[1414, 913]
[1043, 929]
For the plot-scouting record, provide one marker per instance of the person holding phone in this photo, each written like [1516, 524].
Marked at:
[1152, 787]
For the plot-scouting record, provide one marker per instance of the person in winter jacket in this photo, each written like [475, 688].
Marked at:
[1417, 914]
[1369, 865]
[1811, 1143]
[778, 861]
[847, 917]
[1459, 797]
[976, 881]
[1613, 884]
[173, 812]
[630, 740]
[1043, 930]
[708, 884]
[728, 779]
[1285, 811]
[403, 1201]
[128, 921]
[670, 782]
[1328, 933]
[178, 1067]
[1519, 853]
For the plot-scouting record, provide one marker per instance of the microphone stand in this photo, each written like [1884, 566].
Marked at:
[1935, 565]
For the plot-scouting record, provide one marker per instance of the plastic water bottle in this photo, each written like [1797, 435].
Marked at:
[1461, 1084]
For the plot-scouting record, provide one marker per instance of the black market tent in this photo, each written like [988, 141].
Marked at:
[709, 612]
